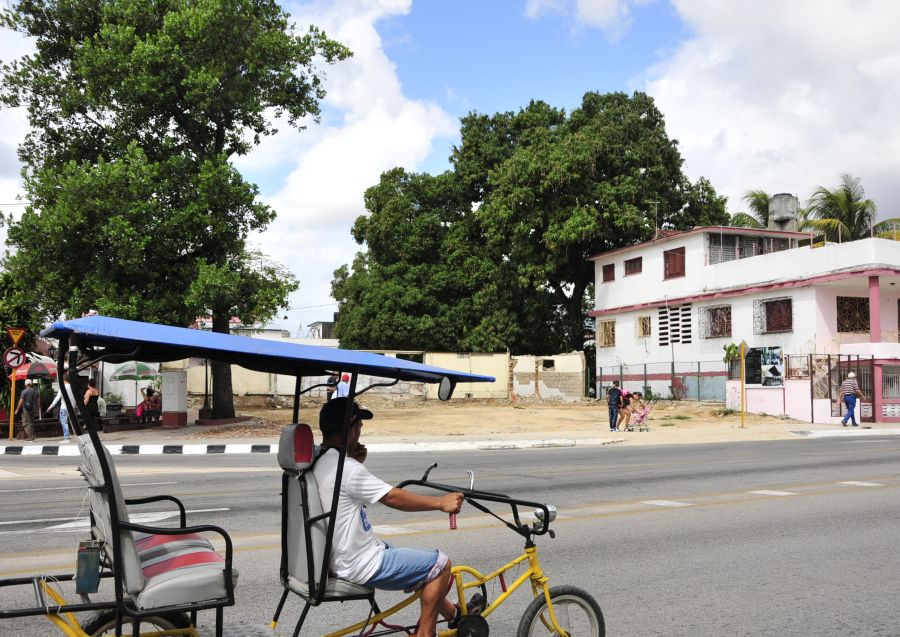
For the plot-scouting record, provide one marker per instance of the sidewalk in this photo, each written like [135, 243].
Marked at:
[405, 427]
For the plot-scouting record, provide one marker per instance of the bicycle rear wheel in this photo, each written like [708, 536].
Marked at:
[576, 611]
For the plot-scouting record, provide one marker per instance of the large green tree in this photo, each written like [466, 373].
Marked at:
[758, 202]
[136, 109]
[842, 213]
[495, 251]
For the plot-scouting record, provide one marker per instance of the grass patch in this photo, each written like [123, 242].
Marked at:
[680, 417]
[728, 412]
[667, 424]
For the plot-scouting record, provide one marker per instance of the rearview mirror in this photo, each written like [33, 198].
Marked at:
[445, 388]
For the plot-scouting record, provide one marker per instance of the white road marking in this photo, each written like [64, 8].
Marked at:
[392, 530]
[767, 492]
[8, 474]
[666, 503]
[237, 448]
[136, 484]
[79, 524]
[191, 450]
[856, 483]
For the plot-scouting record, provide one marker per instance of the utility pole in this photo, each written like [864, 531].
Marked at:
[655, 219]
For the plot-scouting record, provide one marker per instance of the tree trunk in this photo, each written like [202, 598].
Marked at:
[222, 396]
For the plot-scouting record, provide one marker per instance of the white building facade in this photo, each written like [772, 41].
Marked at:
[665, 309]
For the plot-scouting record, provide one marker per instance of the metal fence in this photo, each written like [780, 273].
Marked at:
[699, 380]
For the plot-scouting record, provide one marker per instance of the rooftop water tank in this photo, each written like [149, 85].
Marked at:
[783, 207]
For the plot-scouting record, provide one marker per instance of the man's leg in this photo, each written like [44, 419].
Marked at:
[847, 415]
[434, 600]
[851, 409]
[613, 416]
[28, 425]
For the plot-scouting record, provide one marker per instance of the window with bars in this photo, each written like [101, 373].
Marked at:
[606, 333]
[853, 314]
[674, 324]
[716, 321]
[771, 316]
[634, 266]
[673, 263]
[642, 326]
[609, 273]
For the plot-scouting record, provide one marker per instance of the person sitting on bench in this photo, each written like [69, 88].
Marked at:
[357, 555]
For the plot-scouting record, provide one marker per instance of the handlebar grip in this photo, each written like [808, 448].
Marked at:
[452, 521]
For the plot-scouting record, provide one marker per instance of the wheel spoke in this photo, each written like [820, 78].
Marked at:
[562, 617]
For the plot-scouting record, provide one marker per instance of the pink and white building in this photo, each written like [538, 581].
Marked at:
[680, 298]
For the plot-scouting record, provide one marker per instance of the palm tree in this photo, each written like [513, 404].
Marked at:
[842, 214]
[743, 220]
[758, 201]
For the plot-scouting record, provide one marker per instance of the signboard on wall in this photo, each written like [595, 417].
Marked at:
[764, 366]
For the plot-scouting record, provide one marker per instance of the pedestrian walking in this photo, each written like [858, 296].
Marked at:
[849, 393]
[29, 406]
[342, 390]
[63, 409]
[614, 398]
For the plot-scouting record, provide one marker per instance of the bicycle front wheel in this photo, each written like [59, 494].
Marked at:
[103, 624]
[576, 612]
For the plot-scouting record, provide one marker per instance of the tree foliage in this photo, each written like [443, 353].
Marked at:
[844, 213]
[135, 110]
[758, 202]
[493, 254]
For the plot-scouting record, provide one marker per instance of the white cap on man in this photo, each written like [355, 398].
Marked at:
[851, 375]
[28, 382]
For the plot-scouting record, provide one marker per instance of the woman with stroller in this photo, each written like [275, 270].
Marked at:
[632, 403]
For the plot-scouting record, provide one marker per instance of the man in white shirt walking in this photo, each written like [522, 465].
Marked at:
[357, 554]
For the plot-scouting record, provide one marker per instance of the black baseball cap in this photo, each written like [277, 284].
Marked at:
[331, 418]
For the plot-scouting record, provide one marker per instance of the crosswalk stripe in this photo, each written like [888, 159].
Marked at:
[857, 483]
[767, 492]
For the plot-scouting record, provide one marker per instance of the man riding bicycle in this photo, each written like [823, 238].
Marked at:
[357, 554]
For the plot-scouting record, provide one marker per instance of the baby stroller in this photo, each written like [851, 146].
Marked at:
[639, 418]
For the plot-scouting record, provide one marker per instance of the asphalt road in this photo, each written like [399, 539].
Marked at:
[772, 538]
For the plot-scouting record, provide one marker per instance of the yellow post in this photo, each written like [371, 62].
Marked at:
[743, 404]
[12, 404]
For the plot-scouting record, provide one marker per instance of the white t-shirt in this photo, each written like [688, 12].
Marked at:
[356, 551]
[342, 390]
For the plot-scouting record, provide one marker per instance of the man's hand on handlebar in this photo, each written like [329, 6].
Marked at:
[452, 502]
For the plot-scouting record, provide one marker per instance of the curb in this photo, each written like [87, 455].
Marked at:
[848, 433]
[71, 450]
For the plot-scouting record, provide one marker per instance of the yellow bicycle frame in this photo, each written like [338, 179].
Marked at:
[70, 626]
[539, 585]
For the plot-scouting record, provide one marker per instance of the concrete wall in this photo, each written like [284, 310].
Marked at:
[558, 378]
[496, 365]
[793, 400]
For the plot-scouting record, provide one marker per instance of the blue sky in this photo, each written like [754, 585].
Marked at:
[783, 96]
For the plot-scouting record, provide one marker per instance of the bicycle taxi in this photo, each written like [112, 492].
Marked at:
[162, 577]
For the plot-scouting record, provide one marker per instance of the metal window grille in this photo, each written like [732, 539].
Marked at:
[773, 315]
[890, 383]
[606, 334]
[609, 273]
[634, 266]
[642, 326]
[675, 324]
[721, 248]
[853, 314]
[715, 322]
[673, 263]
[796, 367]
[734, 369]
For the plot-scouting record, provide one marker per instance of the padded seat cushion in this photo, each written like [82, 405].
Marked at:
[336, 588]
[193, 574]
[153, 545]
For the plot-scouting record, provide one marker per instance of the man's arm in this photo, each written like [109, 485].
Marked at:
[404, 500]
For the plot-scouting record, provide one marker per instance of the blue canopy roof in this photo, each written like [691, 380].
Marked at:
[121, 340]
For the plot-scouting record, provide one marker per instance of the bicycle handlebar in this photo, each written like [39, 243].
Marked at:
[475, 496]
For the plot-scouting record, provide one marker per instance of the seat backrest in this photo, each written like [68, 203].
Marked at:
[296, 454]
[102, 498]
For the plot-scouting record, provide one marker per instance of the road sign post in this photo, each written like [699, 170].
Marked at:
[13, 358]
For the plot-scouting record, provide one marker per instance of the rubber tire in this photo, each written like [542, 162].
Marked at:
[104, 623]
[531, 626]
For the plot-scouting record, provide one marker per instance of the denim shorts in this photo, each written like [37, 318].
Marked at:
[407, 569]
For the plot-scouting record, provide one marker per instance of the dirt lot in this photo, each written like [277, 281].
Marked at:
[416, 420]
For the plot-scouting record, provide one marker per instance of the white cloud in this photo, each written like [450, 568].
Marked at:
[376, 128]
[612, 16]
[786, 96]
